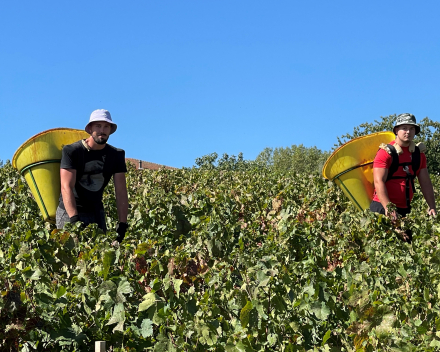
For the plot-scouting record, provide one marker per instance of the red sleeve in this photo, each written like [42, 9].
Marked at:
[383, 160]
[422, 162]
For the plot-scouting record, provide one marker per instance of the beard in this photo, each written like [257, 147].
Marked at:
[100, 139]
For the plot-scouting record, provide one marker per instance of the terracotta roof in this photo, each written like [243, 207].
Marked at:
[147, 165]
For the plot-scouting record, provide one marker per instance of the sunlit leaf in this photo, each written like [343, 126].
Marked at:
[148, 301]
[244, 314]
[147, 328]
[108, 261]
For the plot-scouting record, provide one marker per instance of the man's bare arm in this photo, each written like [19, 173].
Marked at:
[380, 177]
[121, 196]
[68, 179]
[427, 190]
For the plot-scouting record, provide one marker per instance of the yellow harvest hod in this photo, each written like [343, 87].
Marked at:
[351, 167]
[38, 160]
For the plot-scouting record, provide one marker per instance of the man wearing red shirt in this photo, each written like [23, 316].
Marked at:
[397, 190]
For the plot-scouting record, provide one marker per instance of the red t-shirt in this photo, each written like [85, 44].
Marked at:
[397, 187]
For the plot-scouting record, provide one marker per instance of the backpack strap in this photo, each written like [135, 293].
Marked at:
[81, 159]
[394, 162]
[416, 160]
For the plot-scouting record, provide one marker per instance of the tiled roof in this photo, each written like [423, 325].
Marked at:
[147, 165]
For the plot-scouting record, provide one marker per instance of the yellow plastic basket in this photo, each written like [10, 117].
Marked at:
[351, 167]
[38, 160]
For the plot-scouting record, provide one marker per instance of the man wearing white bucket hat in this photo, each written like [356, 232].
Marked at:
[86, 168]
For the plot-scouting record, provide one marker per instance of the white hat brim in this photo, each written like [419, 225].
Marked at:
[113, 129]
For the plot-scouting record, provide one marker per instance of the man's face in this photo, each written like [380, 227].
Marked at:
[100, 131]
[406, 133]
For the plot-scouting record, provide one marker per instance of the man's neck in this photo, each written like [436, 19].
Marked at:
[93, 145]
[402, 143]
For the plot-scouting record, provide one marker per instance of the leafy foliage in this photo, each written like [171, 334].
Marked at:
[298, 159]
[429, 134]
[219, 260]
[226, 162]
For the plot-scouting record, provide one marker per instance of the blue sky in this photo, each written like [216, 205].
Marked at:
[187, 78]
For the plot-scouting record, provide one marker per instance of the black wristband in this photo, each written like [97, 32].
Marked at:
[74, 219]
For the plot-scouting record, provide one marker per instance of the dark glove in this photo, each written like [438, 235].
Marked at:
[121, 229]
[74, 219]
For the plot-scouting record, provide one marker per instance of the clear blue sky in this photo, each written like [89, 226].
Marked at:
[187, 78]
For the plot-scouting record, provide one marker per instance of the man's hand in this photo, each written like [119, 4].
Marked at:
[121, 229]
[391, 211]
[432, 212]
[392, 215]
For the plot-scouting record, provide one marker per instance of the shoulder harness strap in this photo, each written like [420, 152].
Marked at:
[416, 160]
[82, 159]
[395, 160]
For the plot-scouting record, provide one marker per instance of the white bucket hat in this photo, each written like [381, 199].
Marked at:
[101, 115]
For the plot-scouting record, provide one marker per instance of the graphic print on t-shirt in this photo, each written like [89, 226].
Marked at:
[93, 179]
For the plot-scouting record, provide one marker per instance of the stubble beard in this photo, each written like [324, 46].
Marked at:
[100, 139]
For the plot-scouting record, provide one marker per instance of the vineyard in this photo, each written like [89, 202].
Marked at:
[219, 260]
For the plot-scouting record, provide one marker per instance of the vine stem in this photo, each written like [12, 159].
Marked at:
[268, 306]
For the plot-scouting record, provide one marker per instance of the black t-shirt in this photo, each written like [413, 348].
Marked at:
[94, 169]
